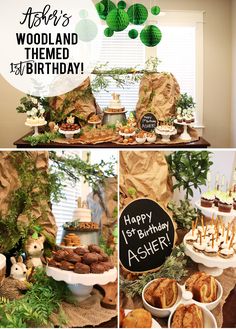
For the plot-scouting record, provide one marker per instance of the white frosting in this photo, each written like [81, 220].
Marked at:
[82, 214]
[206, 239]
[115, 103]
[192, 237]
[211, 230]
[211, 249]
[199, 246]
[35, 120]
[227, 251]
[166, 129]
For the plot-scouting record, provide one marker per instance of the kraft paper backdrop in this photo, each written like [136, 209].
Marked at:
[158, 93]
[9, 182]
[81, 105]
[146, 172]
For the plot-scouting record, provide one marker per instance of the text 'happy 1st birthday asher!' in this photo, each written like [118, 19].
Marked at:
[146, 236]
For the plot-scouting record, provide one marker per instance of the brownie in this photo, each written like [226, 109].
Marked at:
[67, 266]
[73, 258]
[81, 268]
[81, 251]
[95, 248]
[53, 263]
[105, 257]
[59, 255]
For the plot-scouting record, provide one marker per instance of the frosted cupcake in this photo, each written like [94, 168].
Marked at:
[225, 203]
[207, 199]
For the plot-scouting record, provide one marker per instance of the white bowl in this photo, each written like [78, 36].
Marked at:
[140, 140]
[212, 305]
[160, 312]
[209, 319]
[152, 139]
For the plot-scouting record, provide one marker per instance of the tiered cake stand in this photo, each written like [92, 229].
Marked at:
[213, 211]
[36, 127]
[81, 285]
[185, 135]
[70, 133]
[211, 265]
[165, 135]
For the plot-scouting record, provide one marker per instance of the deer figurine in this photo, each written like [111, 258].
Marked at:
[34, 250]
[13, 286]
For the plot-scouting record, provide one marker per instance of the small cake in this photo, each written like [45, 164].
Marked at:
[162, 293]
[179, 118]
[207, 199]
[190, 239]
[115, 105]
[218, 194]
[138, 318]
[226, 253]
[203, 287]
[188, 316]
[225, 203]
[211, 251]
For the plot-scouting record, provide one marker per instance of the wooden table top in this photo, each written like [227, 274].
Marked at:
[201, 143]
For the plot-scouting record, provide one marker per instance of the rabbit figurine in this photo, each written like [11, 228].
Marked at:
[12, 287]
[34, 250]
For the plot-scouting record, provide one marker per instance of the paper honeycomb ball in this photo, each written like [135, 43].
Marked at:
[121, 4]
[150, 36]
[138, 14]
[108, 6]
[108, 32]
[117, 20]
[133, 34]
[155, 10]
[83, 13]
[87, 30]
[100, 8]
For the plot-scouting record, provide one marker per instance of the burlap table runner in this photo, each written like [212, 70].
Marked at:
[87, 313]
[227, 280]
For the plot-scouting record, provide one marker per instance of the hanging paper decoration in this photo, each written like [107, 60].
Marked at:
[87, 30]
[100, 8]
[83, 13]
[155, 10]
[138, 14]
[133, 34]
[121, 4]
[108, 6]
[117, 20]
[108, 32]
[150, 36]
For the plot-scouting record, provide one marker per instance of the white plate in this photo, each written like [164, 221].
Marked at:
[155, 324]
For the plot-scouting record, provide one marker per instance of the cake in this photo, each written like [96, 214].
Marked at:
[94, 119]
[162, 293]
[82, 225]
[165, 129]
[138, 318]
[203, 287]
[225, 203]
[188, 316]
[115, 105]
[70, 240]
[207, 199]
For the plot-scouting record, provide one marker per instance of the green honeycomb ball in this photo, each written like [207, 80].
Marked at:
[108, 32]
[100, 8]
[121, 4]
[150, 36]
[138, 14]
[133, 34]
[109, 6]
[155, 10]
[117, 20]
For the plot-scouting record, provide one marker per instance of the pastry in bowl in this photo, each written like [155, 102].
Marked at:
[203, 287]
[162, 293]
[188, 316]
[138, 318]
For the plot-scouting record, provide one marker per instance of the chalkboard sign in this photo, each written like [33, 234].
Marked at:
[148, 122]
[146, 236]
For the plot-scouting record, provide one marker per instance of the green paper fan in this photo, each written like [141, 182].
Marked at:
[151, 36]
[117, 20]
[138, 14]
[133, 34]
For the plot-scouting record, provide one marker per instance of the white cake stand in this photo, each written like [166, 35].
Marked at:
[70, 133]
[127, 135]
[211, 265]
[2, 262]
[95, 123]
[165, 136]
[36, 127]
[213, 211]
[185, 135]
[81, 285]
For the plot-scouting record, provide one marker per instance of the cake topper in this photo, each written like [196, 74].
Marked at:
[79, 202]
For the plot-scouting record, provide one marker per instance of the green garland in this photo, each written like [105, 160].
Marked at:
[174, 268]
[30, 310]
[44, 138]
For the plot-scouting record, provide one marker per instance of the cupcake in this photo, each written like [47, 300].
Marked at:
[217, 196]
[226, 253]
[234, 203]
[225, 203]
[179, 118]
[207, 199]
[211, 250]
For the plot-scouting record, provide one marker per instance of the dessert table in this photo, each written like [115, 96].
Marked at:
[201, 143]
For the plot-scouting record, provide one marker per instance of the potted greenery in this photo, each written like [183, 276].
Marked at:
[185, 108]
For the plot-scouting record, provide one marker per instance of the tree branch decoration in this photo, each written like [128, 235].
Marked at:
[173, 268]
